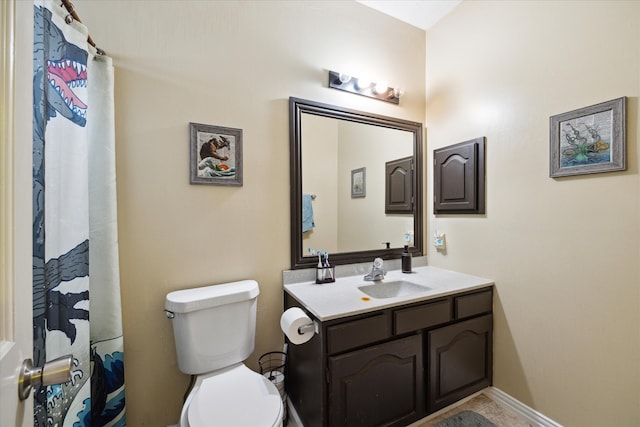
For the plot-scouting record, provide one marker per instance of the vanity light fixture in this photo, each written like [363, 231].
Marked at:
[377, 90]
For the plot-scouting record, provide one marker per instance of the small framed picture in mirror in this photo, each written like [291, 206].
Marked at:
[359, 182]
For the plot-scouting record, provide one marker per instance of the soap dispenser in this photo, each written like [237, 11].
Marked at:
[406, 260]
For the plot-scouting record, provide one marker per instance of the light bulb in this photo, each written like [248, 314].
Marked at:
[344, 78]
[362, 84]
[398, 92]
[381, 87]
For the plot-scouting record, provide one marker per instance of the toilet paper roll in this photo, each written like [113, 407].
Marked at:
[291, 320]
[277, 378]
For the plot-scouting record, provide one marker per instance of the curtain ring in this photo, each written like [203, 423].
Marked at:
[69, 6]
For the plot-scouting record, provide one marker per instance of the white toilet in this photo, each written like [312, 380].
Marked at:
[214, 330]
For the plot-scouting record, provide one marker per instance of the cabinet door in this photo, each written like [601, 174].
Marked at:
[460, 361]
[378, 386]
[459, 178]
[399, 186]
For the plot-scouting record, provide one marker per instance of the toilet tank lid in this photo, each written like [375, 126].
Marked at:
[187, 300]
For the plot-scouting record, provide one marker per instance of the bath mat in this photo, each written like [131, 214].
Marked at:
[465, 419]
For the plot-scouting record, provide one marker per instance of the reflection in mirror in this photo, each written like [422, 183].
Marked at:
[330, 212]
[332, 150]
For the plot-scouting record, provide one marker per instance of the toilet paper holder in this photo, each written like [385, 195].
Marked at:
[309, 327]
[298, 326]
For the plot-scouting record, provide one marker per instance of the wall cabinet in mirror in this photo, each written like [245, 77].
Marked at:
[329, 143]
[399, 186]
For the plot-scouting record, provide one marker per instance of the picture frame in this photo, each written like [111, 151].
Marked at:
[215, 155]
[588, 140]
[358, 182]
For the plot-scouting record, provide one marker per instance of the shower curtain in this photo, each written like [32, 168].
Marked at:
[76, 289]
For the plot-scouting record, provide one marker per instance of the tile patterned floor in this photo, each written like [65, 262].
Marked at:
[484, 406]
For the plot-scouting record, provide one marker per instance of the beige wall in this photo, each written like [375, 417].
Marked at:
[332, 149]
[233, 64]
[565, 253]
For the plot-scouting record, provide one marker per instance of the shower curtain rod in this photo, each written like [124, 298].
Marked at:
[69, 6]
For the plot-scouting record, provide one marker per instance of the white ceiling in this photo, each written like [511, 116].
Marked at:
[419, 13]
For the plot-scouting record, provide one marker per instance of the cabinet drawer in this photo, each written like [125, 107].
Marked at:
[420, 317]
[470, 305]
[358, 333]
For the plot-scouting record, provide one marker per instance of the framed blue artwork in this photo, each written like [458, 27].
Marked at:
[589, 140]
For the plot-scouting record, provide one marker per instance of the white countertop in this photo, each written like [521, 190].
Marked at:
[343, 298]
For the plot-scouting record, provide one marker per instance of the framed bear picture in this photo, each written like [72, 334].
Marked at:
[215, 155]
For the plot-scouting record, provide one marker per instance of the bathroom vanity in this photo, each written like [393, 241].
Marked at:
[391, 359]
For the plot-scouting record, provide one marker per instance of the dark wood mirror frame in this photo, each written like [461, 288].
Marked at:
[299, 106]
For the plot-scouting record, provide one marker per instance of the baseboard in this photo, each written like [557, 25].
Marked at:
[531, 415]
[293, 417]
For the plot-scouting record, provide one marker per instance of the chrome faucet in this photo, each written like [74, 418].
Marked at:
[377, 272]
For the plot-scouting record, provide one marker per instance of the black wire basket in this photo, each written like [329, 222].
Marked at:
[272, 367]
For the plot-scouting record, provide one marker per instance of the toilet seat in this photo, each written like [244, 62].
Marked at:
[234, 396]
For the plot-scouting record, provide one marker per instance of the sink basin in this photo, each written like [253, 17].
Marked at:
[392, 289]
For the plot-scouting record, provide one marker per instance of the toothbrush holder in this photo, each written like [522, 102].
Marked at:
[325, 275]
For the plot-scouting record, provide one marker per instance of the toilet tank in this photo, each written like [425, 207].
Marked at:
[213, 326]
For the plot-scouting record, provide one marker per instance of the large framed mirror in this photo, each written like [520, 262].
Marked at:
[343, 180]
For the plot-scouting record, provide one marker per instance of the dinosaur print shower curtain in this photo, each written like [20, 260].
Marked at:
[76, 289]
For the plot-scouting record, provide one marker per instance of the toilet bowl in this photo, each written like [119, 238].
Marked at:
[234, 396]
[214, 331]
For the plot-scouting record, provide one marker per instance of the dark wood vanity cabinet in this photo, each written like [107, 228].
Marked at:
[459, 361]
[379, 385]
[394, 366]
